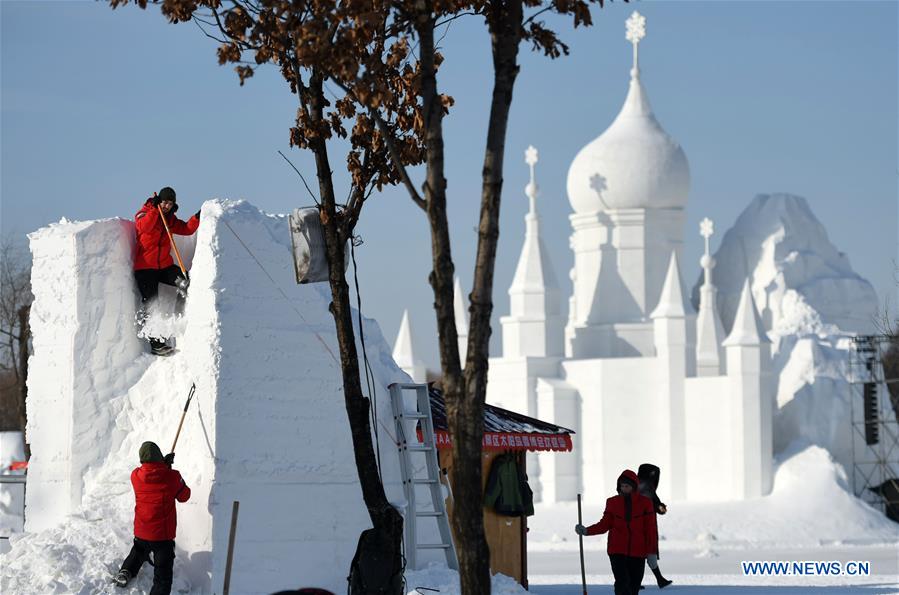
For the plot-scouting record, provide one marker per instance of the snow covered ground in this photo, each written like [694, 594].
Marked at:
[241, 339]
[809, 516]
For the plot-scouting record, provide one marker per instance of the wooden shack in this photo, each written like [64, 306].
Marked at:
[504, 431]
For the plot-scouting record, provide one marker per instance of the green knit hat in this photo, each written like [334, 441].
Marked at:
[150, 453]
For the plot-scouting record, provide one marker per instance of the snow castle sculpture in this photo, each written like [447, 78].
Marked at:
[634, 371]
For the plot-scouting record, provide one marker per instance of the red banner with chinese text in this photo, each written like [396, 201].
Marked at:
[513, 441]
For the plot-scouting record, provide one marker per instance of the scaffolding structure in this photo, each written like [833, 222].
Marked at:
[875, 429]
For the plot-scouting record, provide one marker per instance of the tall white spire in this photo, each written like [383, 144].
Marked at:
[404, 352]
[671, 300]
[461, 313]
[747, 329]
[534, 324]
[709, 330]
[534, 274]
[634, 163]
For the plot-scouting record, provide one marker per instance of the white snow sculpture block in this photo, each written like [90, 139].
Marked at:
[670, 326]
[85, 342]
[752, 404]
[267, 427]
[560, 473]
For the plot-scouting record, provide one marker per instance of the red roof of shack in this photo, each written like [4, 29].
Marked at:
[503, 429]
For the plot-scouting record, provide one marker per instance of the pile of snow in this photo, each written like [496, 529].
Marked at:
[779, 243]
[437, 578]
[267, 426]
[811, 303]
[811, 505]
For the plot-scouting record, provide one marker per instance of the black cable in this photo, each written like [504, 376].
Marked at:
[369, 375]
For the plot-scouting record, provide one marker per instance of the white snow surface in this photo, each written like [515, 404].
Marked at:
[811, 302]
[267, 426]
[780, 245]
[811, 505]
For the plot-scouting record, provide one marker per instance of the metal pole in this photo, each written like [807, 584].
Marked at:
[227, 587]
[580, 539]
[172, 241]
[190, 395]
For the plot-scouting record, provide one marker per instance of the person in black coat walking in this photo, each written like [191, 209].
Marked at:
[648, 483]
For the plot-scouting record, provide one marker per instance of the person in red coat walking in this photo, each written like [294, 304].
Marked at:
[153, 263]
[156, 488]
[629, 519]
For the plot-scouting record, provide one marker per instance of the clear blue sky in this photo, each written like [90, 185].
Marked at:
[100, 108]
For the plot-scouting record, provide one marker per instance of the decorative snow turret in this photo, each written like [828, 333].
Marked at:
[752, 404]
[628, 382]
[461, 313]
[404, 352]
[628, 189]
[534, 325]
[634, 164]
[670, 331]
[709, 331]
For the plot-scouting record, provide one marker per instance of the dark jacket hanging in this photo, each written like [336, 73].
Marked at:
[508, 492]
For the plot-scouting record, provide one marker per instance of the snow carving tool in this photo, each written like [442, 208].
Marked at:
[580, 539]
[190, 395]
[182, 290]
[235, 508]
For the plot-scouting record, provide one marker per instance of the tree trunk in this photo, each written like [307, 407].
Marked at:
[22, 365]
[504, 20]
[505, 27]
[384, 516]
[465, 418]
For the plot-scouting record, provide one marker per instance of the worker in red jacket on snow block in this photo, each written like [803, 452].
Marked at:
[153, 263]
[156, 488]
[629, 518]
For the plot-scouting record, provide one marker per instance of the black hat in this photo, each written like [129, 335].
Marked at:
[150, 453]
[166, 193]
[649, 474]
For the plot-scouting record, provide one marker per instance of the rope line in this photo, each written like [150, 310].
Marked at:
[309, 326]
[284, 295]
[369, 374]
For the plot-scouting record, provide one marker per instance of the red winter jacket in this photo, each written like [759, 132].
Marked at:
[156, 487]
[632, 535]
[154, 251]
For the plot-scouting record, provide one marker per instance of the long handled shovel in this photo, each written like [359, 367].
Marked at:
[172, 241]
[190, 395]
[580, 539]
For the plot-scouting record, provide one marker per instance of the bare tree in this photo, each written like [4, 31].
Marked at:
[465, 389]
[311, 43]
[15, 332]
[384, 56]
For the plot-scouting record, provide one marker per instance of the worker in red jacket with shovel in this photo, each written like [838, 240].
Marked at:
[156, 488]
[629, 519]
[154, 225]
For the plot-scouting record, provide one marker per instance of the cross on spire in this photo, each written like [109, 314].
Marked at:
[706, 229]
[636, 31]
[531, 158]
